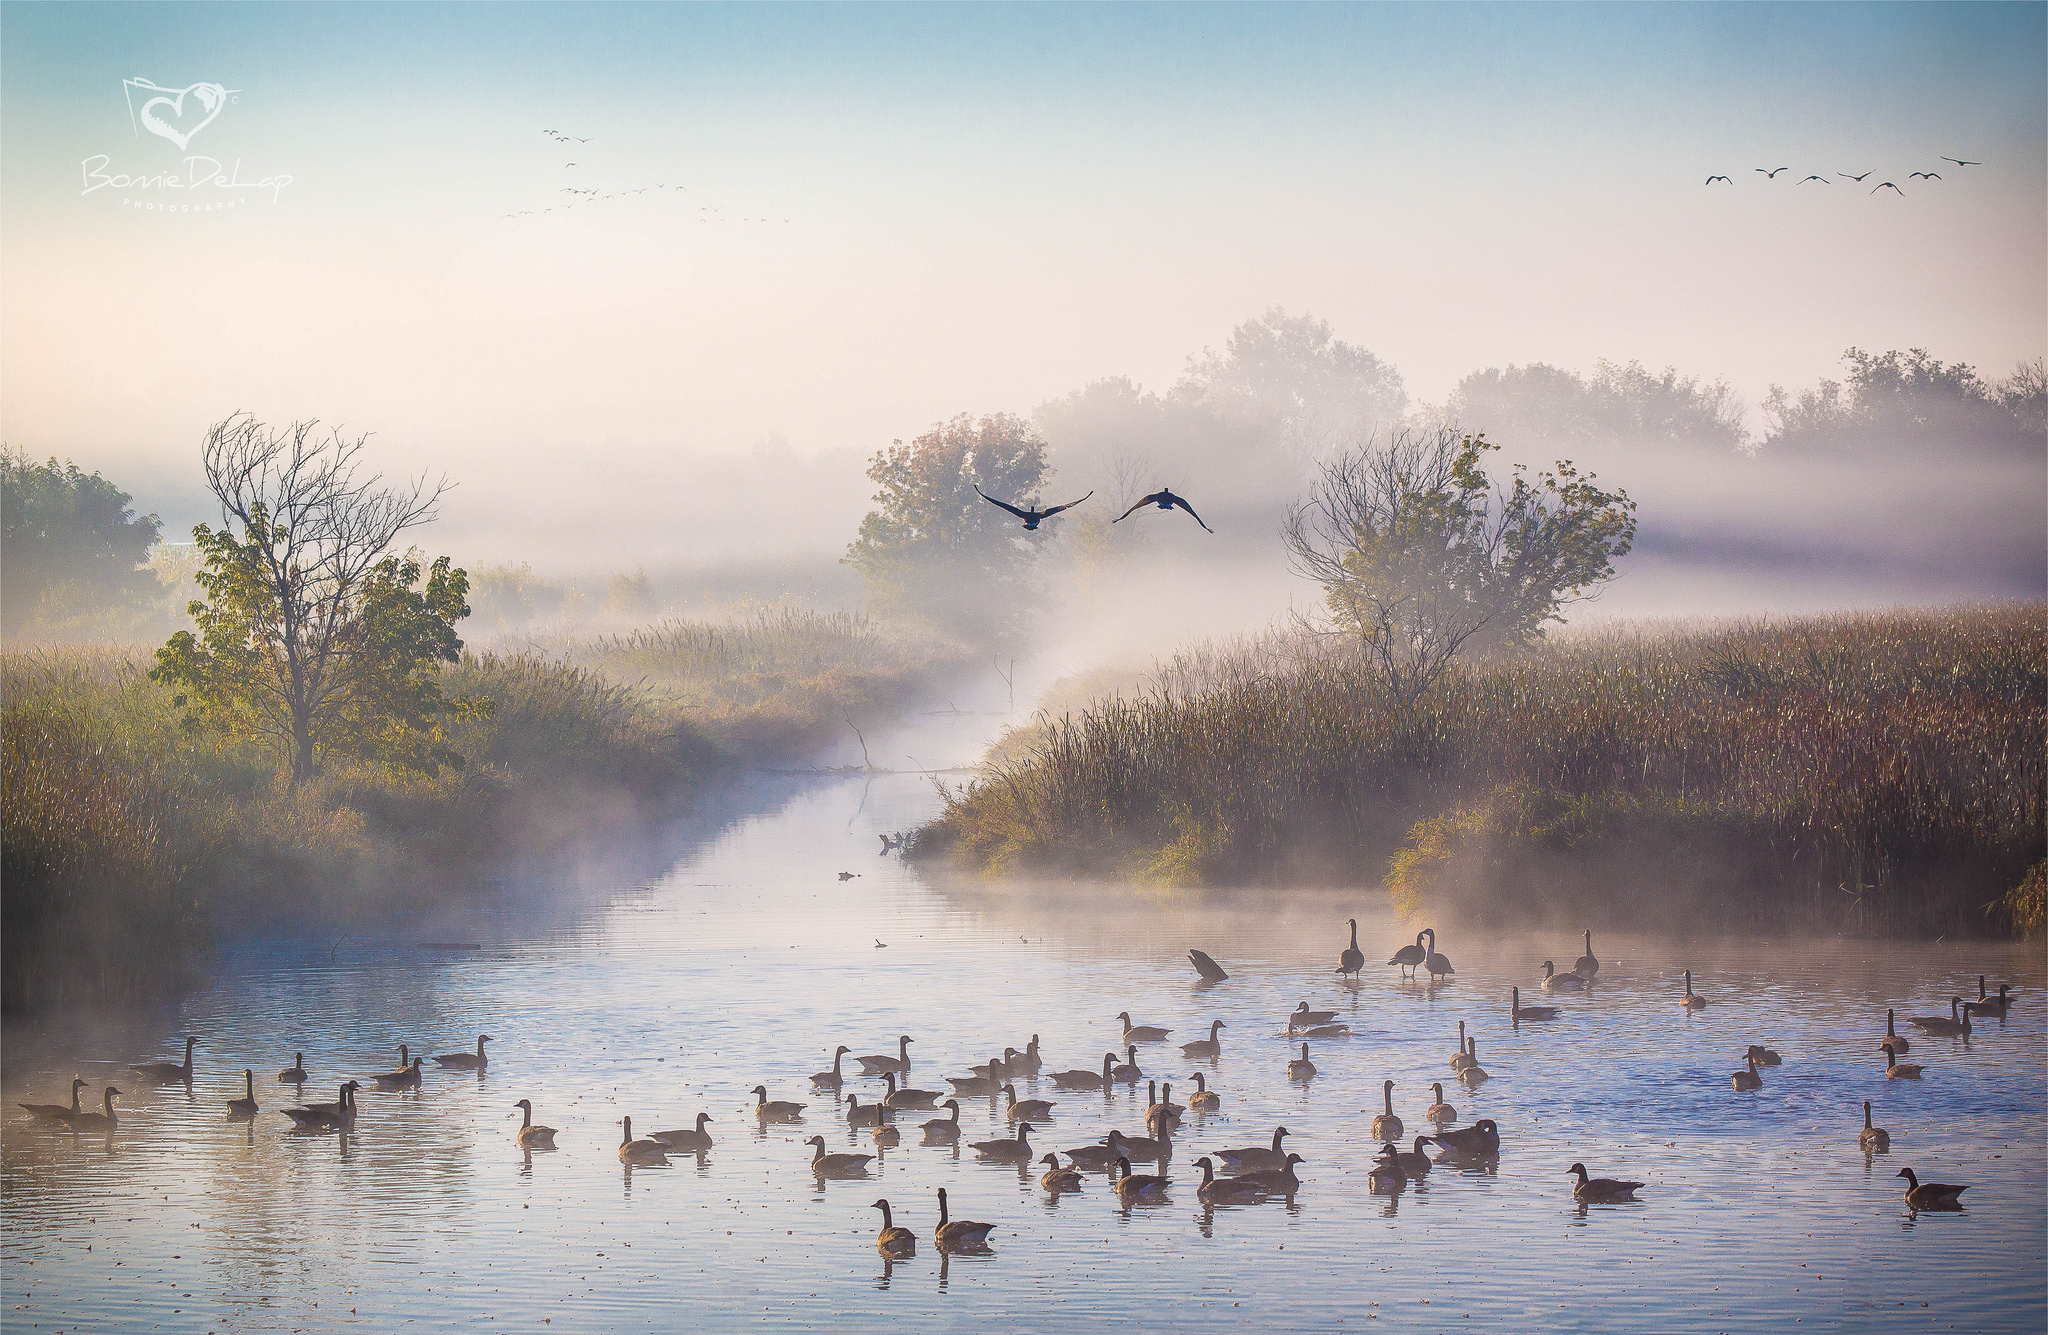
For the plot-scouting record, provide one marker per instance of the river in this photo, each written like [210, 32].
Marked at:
[750, 958]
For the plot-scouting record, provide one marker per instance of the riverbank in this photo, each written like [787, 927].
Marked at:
[130, 844]
[1880, 773]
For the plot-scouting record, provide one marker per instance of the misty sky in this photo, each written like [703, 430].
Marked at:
[974, 209]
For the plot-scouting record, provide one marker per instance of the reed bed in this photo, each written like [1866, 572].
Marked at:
[1880, 771]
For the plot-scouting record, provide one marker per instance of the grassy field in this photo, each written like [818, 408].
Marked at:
[1879, 773]
[126, 844]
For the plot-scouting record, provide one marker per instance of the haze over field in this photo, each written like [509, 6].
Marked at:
[856, 222]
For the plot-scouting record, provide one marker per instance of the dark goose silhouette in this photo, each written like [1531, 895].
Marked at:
[1033, 516]
[1165, 500]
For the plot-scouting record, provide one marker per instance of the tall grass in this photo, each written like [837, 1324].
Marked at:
[129, 842]
[1885, 771]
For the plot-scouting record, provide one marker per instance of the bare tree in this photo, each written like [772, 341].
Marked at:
[1420, 557]
[285, 630]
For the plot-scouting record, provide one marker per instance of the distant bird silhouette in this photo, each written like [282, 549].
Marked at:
[1822, 179]
[1887, 186]
[1960, 162]
[1712, 179]
[1857, 179]
[1772, 175]
[1165, 500]
[1030, 517]
[1924, 176]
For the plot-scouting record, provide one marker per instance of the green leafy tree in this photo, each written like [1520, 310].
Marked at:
[312, 636]
[1911, 402]
[1421, 557]
[70, 546]
[934, 549]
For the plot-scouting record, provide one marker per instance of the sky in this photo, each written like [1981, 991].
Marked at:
[864, 219]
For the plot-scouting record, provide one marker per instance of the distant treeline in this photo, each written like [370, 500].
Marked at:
[1875, 773]
[128, 843]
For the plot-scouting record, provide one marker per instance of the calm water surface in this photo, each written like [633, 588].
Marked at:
[750, 960]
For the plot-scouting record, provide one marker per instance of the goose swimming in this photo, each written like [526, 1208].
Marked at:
[244, 1108]
[1874, 1139]
[1517, 1012]
[1205, 1047]
[169, 1073]
[533, 1137]
[1386, 1126]
[837, 1165]
[1930, 1195]
[466, 1061]
[687, 1139]
[959, 1234]
[1601, 1190]
[894, 1240]
[1586, 966]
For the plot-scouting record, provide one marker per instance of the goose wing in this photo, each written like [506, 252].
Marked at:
[1002, 505]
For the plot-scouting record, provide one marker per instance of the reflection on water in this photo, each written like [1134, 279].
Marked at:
[752, 960]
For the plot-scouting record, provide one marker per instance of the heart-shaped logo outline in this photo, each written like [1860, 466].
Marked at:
[212, 96]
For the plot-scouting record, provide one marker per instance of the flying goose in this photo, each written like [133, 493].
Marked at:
[1891, 1040]
[1010, 1149]
[833, 1078]
[1586, 966]
[959, 1234]
[1026, 1110]
[1407, 956]
[1553, 981]
[1518, 1012]
[1771, 174]
[243, 1109]
[1351, 959]
[533, 1137]
[1223, 1190]
[1822, 179]
[1165, 500]
[881, 1065]
[466, 1061]
[894, 1240]
[57, 1112]
[1031, 517]
[1257, 1156]
[1749, 1079]
[1930, 1195]
[1301, 1068]
[1887, 186]
[1692, 1000]
[944, 1130]
[1437, 965]
[1960, 162]
[1894, 1069]
[1135, 1186]
[168, 1073]
[1140, 1033]
[775, 1112]
[837, 1165]
[99, 1121]
[1439, 1112]
[1086, 1079]
[1925, 176]
[1601, 1190]
[1874, 1138]
[1723, 179]
[1205, 1047]
[696, 1138]
[295, 1074]
[639, 1151]
[1857, 179]
[1204, 1099]
[1386, 1126]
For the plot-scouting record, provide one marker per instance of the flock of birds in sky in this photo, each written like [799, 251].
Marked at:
[1771, 174]
[586, 195]
[1246, 1174]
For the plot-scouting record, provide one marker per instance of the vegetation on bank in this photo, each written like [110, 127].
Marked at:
[1878, 772]
[131, 840]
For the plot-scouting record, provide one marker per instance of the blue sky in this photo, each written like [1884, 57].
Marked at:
[986, 205]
